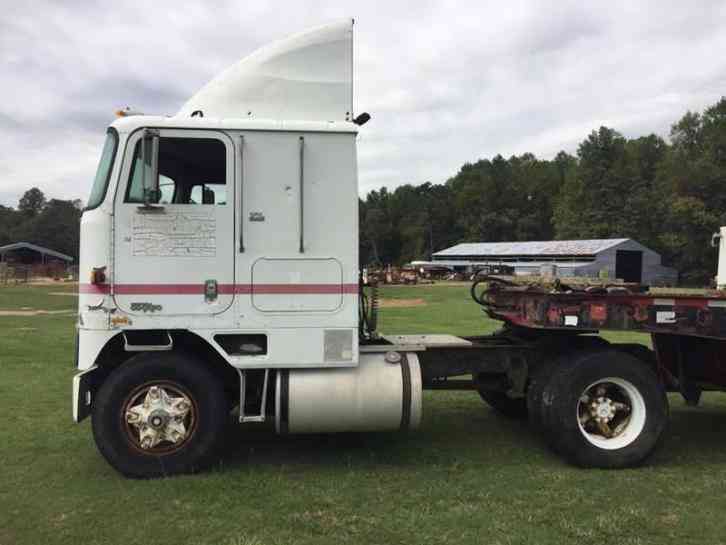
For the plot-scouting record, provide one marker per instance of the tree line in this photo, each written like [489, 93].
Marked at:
[53, 223]
[670, 195]
[667, 194]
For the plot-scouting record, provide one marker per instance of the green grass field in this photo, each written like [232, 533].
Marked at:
[467, 476]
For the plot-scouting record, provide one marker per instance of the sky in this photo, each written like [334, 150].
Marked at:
[445, 82]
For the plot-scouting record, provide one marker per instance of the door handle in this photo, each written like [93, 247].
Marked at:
[211, 291]
[302, 189]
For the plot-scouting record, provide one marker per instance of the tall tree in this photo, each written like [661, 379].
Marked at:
[57, 227]
[32, 202]
[593, 199]
[8, 223]
[692, 178]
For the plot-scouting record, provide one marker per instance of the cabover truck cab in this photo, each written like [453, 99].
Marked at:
[219, 268]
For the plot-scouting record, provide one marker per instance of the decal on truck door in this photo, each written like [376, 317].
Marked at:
[180, 234]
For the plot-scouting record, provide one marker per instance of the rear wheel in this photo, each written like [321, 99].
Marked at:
[539, 378]
[605, 409]
[563, 354]
[160, 414]
[640, 351]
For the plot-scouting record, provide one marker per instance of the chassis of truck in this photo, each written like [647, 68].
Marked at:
[220, 276]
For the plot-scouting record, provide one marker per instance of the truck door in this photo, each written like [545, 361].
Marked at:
[173, 248]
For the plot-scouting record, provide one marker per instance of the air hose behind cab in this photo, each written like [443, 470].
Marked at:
[368, 310]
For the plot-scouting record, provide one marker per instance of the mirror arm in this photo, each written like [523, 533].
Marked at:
[151, 135]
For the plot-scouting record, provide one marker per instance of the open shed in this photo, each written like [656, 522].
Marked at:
[615, 258]
[26, 253]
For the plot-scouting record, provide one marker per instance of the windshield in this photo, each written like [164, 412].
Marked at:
[98, 191]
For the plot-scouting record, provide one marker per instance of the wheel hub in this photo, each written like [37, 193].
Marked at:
[605, 410]
[602, 409]
[159, 418]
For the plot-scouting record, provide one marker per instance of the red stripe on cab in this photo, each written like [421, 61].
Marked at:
[94, 288]
[224, 289]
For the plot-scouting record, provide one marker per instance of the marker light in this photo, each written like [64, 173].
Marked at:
[125, 112]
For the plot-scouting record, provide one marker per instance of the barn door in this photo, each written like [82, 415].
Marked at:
[173, 247]
[629, 265]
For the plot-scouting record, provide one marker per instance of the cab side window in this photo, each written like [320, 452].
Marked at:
[191, 171]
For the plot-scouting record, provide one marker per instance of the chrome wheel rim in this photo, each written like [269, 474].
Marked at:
[159, 417]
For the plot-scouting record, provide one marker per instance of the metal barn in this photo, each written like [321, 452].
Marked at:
[31, 254]
[615, 258]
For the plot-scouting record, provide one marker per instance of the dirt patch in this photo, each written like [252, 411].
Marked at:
[33, 312]
[401, 303]
[50, 282]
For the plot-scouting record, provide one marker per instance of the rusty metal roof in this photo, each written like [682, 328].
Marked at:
[533, 248]
[479, 262]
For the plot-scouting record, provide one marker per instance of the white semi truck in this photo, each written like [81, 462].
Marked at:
[219, 274]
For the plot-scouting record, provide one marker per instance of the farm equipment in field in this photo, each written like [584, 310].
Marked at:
[394, 275]
[219, 252]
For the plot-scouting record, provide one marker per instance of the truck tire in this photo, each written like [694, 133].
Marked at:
[160, 414]
[560, 356]
[604, 409]
[505, 405]
[640, 351]
[538, 379]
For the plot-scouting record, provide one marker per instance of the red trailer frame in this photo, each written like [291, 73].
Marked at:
[688, 331]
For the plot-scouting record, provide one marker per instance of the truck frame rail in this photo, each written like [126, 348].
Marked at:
[610, 308]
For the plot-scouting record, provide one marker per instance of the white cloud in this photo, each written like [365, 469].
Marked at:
[446, 82]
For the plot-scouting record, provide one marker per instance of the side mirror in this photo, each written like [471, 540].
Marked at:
[150, 159]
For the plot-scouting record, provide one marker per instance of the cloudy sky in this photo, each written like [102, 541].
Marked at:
[446, 82]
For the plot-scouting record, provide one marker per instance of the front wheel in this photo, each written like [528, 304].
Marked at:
[160, 414]
[605, 409]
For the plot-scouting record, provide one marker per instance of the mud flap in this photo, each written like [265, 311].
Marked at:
[83, 394]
